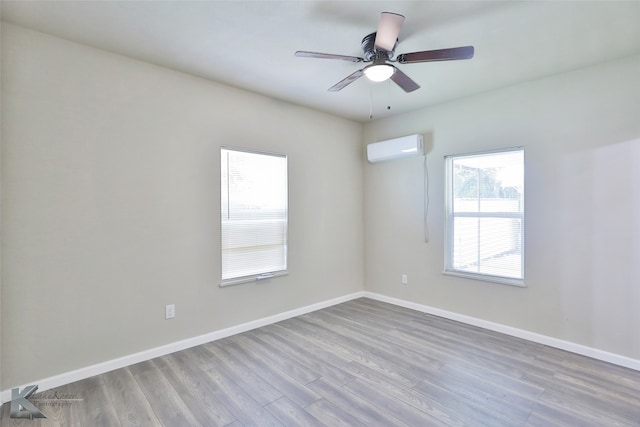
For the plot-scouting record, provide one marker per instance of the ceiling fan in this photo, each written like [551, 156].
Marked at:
[378, 49]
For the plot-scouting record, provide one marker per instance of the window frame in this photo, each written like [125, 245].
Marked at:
[449, 217]
[265, 274]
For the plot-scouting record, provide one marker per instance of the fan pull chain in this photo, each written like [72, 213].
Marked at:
[370, 101]
[389, 94]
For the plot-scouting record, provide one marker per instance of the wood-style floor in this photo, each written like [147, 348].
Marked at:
[361, 363]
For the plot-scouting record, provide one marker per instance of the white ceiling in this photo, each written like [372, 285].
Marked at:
[251, 44]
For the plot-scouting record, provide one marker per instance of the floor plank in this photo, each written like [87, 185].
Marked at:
[281, 380]
[202, 402]
[166, 403]
[259, 389]
[332, 415]
[356, 404]
[290, 414]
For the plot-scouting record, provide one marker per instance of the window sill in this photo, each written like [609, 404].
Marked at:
[253, 278]
[486, 278]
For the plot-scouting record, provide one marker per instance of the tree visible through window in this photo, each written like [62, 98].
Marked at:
[485, 215]
[253, 215]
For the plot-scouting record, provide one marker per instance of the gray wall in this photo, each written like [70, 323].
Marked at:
[110, 205]
[581, 133]
[111, 177]
[1, 205]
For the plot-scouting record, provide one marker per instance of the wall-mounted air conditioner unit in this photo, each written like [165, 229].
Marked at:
[407, 146]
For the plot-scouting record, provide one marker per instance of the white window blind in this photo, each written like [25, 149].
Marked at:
[485, 216]
[253, 207]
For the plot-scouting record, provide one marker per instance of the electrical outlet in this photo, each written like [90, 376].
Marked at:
[170, 311]
[405, 279]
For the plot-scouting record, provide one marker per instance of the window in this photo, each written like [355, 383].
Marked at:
[485, 216]
[253, 215]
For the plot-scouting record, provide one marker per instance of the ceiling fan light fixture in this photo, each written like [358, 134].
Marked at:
[379, 72]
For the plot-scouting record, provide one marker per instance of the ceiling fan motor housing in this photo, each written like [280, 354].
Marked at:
[371, 53]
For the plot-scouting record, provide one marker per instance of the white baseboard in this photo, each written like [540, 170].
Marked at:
[110, 365]
[594, 353]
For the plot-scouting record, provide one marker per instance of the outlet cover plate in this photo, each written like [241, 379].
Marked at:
[170, 311]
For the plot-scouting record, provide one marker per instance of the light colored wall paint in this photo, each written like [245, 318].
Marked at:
[110, 206]
[581, 133]
[1, 399]
[111, 185]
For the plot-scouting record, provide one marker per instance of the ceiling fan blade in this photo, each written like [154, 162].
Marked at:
[346, 81]
[306, 54]
[388, 30]
[404, 81]
[463, 52]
